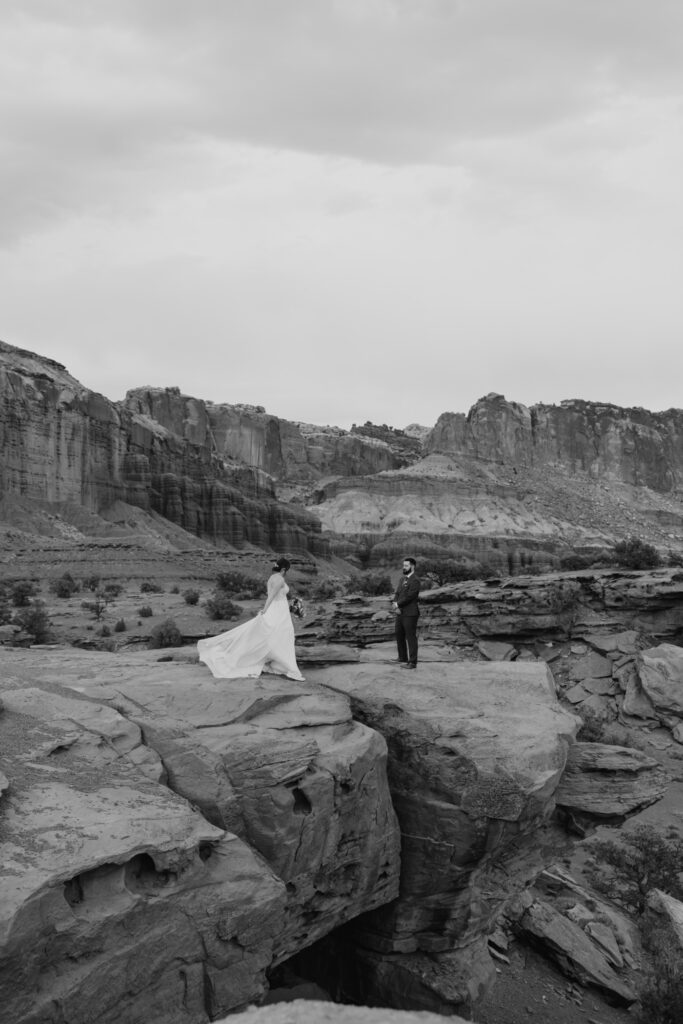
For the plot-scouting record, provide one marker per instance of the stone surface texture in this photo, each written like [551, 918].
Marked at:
[166, 839]
[590, 940]
[536, 480]
[506, 485]
[62, 443]
[609, 781]
[311, 1012]
[476, 752]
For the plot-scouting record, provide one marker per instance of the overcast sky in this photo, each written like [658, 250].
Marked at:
[347, 209]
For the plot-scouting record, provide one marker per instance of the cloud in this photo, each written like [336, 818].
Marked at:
[102, 97]
[346, 209]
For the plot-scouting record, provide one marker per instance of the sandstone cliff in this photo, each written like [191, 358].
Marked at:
[292, 453]
[508, 486]
[517, 487]
[629, 446]
[63, 444]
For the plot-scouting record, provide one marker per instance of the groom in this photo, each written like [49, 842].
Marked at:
[407, 609]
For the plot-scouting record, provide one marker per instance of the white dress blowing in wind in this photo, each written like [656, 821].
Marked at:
[263, 644]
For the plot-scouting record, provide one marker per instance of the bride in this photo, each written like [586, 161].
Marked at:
[263, 644]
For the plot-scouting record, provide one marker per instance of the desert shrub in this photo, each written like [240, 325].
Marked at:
[191, 596]
[219, 606]
[175, 589]
[145, 612]
[120, 626]
[104, 631]
[643, 859]
[22, 592]
[571, 562]
[150, 587]
[5, 612]
[35, 621]
[91, 582]
[442, 571]
[675, 559]
[323, 590]
[661, 995]
[113, 590]
[240, 585]
[107, 644]
[166, 634]
[370, 584]
[98, 606]
[635, 554]
[65, 586]
[591, 729]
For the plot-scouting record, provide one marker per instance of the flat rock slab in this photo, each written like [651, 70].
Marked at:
[591, 666]
[303, 1011]
[326, 654]
[386, 653]
[623, 643]
[578, 956]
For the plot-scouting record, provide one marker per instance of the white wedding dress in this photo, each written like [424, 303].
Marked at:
[263, 644]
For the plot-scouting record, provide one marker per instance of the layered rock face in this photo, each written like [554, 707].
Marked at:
[61, 443]
[157, 870]
[526, 610]
[513, 486]
[289, 452]
[476, 752]
[631, 446]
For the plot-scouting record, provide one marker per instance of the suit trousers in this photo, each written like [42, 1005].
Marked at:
[406, 638]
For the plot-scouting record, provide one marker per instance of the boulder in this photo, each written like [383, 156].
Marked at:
[671, 909]
[170, 901]
[494, 651]
[609, 781]
[661, 676]
[119, 900]
[568, 944]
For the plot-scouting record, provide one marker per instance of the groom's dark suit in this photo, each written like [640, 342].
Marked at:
[407, 597]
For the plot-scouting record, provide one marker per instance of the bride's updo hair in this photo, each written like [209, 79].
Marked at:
[281, 564]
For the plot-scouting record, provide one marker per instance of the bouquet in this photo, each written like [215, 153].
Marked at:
[296, 607]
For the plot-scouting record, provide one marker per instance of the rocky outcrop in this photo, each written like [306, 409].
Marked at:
[290, 452]
[606, 781]
[526, 610]
[167, 840]
[669, 910]
[632, 446]
[513, 487]
[63, 444]
[589, 939]
[476, 752]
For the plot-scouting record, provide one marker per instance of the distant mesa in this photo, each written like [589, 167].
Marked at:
[504, 485]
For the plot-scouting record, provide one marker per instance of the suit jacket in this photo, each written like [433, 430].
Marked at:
[407, 595]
